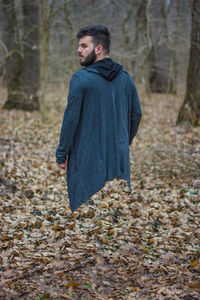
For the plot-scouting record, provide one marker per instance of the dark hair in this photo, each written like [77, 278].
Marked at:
[100, 35]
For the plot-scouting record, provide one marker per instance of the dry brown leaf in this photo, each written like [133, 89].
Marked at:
[73, 284]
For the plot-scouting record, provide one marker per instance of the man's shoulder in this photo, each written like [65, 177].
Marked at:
[128, 79]
[79, 76]
[83, 77]
[125, 73]
[78, 73]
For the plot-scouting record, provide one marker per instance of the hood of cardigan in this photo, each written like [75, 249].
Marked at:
[107, 68]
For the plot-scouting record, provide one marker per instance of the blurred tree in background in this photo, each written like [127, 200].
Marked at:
[190, 110]
[12, 58]
[150, 38]
[23, 55]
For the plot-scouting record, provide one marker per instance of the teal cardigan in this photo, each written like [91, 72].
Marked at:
[101, 119]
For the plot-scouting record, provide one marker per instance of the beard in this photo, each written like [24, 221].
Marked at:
[90, 59]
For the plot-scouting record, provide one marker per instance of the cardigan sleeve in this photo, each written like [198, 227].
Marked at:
[135, 114]
[70, 120]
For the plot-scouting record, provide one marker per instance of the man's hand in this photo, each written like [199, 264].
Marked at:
[63, 165]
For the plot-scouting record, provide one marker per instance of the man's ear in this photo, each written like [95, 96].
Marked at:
[98, 49]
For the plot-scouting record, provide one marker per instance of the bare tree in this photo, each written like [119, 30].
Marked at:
[31, 61]
[158, 59]
[23, 57]
[12, 54]
[70, 29]
[172, 37]
[46, 13]
[140, 29]
[190, 109]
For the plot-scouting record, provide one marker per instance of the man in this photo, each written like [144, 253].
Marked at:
[101, 119]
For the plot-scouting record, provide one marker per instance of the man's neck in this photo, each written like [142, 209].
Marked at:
[101, 57]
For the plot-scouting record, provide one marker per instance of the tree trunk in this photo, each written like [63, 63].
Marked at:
[190, 109]
[140, 35]
[31, 62]
[173, 41]
[23, 57]
[71, 32]
[44, 55]
[13, 63]
[158, 60]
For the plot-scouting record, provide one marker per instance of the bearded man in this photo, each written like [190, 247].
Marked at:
[101, 119]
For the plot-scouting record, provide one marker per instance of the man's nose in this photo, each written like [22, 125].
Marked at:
[79, 50]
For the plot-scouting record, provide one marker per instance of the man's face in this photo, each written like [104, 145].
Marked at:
[86, 51]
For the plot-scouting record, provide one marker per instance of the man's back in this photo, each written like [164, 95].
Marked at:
[105, 115]
[105, 108]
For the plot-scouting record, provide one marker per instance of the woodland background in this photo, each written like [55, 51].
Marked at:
[121, 245]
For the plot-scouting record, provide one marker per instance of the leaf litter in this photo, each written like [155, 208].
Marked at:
[120, 245]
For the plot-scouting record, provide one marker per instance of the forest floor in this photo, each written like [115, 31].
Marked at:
[139, 245]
